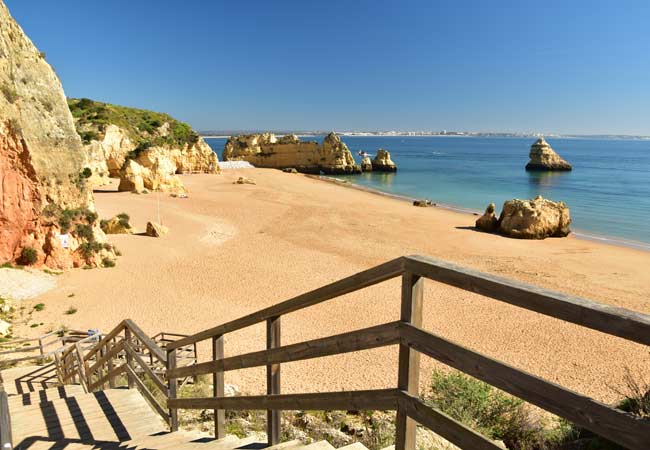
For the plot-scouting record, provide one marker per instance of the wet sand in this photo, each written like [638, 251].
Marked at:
[234, 249]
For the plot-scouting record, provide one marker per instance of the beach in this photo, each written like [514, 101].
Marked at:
[234, 249]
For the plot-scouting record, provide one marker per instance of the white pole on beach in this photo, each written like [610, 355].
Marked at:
[158, 201]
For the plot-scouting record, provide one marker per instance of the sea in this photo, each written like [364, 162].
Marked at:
[608, 191]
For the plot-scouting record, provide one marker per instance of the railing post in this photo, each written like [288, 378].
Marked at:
[129, 359]
[171, 392]
[409, 360]
[218, 388]
[273, 381]
[5, 422]
[109, 363]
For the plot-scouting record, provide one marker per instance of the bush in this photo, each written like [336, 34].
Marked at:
[87, 172]
[10, 93]
[85, 232]
[28, 256]
[107, 262]
[71, 310]
[39, 307]
[88, 136]
[88, 249]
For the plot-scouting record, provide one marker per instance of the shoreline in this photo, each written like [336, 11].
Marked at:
[579, 234]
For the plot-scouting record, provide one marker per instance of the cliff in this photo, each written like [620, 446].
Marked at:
[41, 161]
[266, 150]
[543, 157]
[160, 144]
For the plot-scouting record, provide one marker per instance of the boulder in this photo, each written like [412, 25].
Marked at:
[156, 230]
[366, 164]
[383, 163]
[290, 170]
[152, 170]
[534, 219]
[543, 157]
[243, 180]
[422, 203]
[488, 221]
[117, 225]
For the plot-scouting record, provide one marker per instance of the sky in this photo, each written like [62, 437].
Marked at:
[580, 67]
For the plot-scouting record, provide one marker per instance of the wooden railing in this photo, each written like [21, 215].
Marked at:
[5, 421]
[624, 428]
[37, 348]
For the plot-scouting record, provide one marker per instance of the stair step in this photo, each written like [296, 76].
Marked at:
[45, 395]
[285, 445]
[355, 446]
[161, 439]
[320, 445]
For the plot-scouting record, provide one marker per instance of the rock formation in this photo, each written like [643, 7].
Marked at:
[383, 163]
[422, 203]
[152, 170]
[266, 150]
[488, 221]
[534, 219]
[366, 164]
[244, 180]
[113, 134]
[43, 184]
[156, 230]
[117, 225]
[543, 157]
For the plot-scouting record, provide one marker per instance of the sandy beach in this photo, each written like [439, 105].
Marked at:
[233, 249]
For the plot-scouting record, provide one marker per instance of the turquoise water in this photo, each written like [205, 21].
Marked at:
[608, 190]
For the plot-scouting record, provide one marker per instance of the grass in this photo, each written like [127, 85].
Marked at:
[140, 125]
[39, 307]
[71, 310]
[10, 93]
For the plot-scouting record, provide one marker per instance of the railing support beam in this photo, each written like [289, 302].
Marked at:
[408, 378]
[129, 359]
[218, 388]
[273, 381]
[172, 388]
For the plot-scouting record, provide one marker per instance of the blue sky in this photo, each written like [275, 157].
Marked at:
[551, 66]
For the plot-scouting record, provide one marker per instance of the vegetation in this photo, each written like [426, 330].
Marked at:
[108, 262]
[71, 310]
[10, 93]
[39, 307]
[142, 126]
[28, 256]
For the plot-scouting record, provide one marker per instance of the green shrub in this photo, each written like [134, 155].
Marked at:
[88, 136]
[39, 307]
[107, 262]
[28, 256]
[88, 249]
[71, 310]
[10, 93]
[85, 232]
[87, 172]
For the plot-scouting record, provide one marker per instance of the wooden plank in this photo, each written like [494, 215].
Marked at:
[408, 378]
[443, 425]
[110, 354]
[5, 421]
[361, 280]
[147, 394]
[609, 319]
[624, 428]
[110, 375]
[104, 340]
[146, 341]
[171, 393]
[377, 399]
[145, 367]
[218, 388]
[81, 368]
[364, 339]
[273, 380]
[20, 350]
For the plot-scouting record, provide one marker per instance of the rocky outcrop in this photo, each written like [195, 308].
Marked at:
[113, 134]
[528, 219]
[543, 157]
[488, 221]
[534, 219]
[42, 178]
[383, 163]
[156, 229]
[152, 170]
[366, 164]
[117, 225]
[266, 150]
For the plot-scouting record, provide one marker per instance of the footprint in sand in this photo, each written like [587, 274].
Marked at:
[218, 233]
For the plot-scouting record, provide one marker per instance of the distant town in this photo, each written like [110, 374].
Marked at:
[226, 133]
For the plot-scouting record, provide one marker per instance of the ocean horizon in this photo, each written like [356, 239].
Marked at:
[608, 191]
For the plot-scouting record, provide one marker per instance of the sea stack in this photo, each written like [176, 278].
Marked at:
[543, 157]
[383, 163]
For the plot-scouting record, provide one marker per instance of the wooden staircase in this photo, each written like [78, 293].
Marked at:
[94, 394]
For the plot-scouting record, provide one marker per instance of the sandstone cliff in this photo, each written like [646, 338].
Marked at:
[543, 157]
[266, 150]
[162, 145]
[383, 163]
[41, 162]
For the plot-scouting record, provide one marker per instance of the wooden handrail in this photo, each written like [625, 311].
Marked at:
[369, 277]
[5, 421]
[611, 423]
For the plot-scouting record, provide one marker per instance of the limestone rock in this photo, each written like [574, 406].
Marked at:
[366, 164]
[383, 163]
[265, 150]
[116, 225]
[244, 180]
[41, 157]
[5, 327]
[543, 157]
[156, 230]
[488, 221]
[534, 219]
[152, 170]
